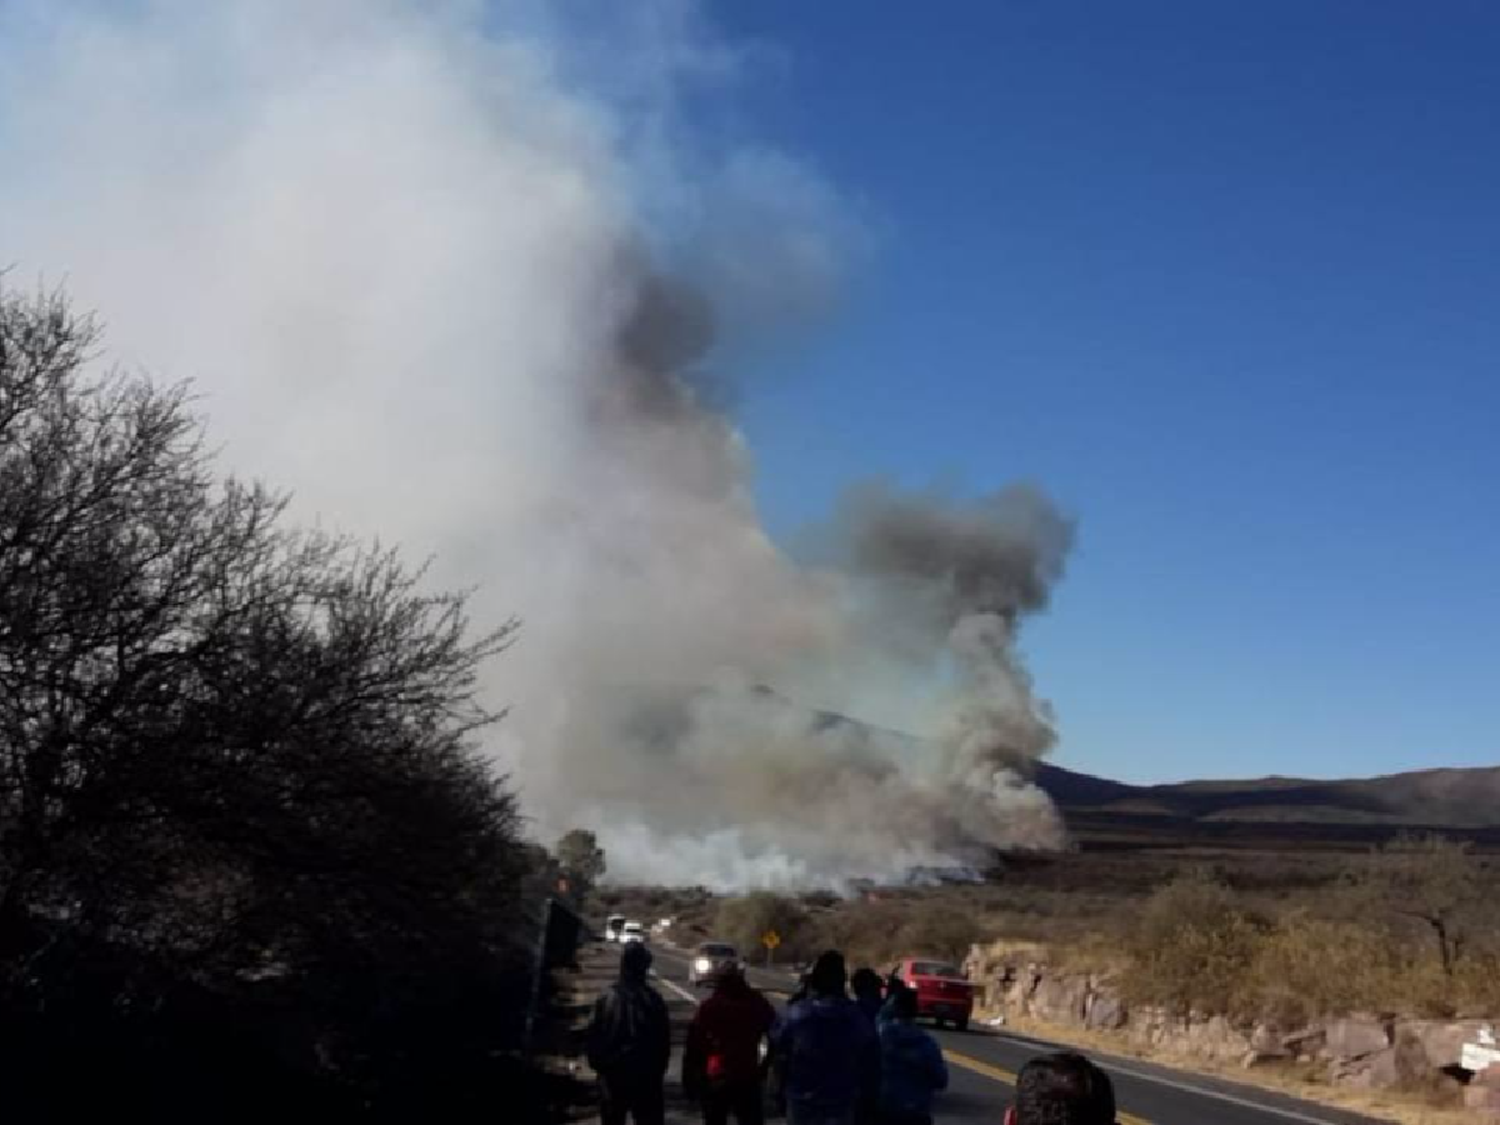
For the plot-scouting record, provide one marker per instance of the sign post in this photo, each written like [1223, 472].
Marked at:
[770, 939]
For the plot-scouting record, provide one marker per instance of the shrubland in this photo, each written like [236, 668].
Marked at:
[249, 853]
[1407, 927]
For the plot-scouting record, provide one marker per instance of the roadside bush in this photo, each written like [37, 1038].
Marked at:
[745, 919]
[1192, 947]
[1197, 946]
[878, 932]
[944, 934]
[1309, 967]
[1477, 982]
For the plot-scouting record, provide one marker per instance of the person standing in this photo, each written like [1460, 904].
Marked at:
[825, 1048]
[911, 1065]
[630, 1044]
[721, 1067]
[868, 991]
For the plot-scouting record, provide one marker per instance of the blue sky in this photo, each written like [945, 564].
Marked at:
[1224, 278]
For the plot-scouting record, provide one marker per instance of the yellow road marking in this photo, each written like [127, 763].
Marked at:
[1000, 1074]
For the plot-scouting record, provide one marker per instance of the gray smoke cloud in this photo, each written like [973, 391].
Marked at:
[968, 573]
[451, 298]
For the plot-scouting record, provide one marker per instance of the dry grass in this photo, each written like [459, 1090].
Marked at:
[1197, 944]
[1289, 934]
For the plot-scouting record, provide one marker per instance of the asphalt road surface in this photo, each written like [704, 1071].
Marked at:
[983, 1063]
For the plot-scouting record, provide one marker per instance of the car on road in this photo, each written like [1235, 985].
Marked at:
[613, 926]
[633, 933]
[710, 961]
[944, 994]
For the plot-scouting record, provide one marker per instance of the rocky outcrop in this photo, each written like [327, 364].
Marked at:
[1061, 999]
[1399, 1062]
[1483, 1094]
[1443, 1040]
[1354, 1037]
[1375, 1051]
[1106, 1012]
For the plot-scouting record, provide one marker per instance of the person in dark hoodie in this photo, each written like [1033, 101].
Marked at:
[911, 1065]
[868, 991]
[630, 1044]
[721, 1063]
[825, 1048]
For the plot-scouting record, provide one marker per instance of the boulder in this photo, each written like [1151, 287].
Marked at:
[1060, 999]
[1442, 1040]
[1106, 1012]
[1022, 984]
[1217, 1038]
[1266, 1039]
[1482, 1097]
[1403, 1064]
[1212, 1037]
[1307, 1041]
[1354, 1037]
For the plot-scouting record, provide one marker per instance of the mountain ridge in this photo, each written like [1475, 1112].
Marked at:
[1456, 797]
[1442, 797]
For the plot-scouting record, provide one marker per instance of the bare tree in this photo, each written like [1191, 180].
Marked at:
[228, 749]
[1435, 882]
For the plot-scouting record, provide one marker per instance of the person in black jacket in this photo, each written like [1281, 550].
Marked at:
[630, 1044]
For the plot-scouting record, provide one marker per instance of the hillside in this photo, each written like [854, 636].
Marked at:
[1297, 811]
[1456, 798]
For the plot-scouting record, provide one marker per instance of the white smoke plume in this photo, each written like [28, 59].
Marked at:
[452, 297]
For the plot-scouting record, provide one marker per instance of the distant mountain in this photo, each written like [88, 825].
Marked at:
[1289, 808]
[1446, 798]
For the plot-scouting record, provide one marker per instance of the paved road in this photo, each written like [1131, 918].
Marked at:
[983, 1066]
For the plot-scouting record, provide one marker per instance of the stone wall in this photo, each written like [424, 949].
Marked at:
[1372, 1050]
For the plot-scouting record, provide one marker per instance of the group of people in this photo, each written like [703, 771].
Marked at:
[827, 1059]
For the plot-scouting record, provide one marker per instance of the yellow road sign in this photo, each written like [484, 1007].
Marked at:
[770, 939]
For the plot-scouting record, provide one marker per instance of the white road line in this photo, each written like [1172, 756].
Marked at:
[1185, 1087]
[677, 988]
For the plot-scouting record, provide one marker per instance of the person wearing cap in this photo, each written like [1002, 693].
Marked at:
[1062, 1089]
[629, 1044]
[721, 1067]
[825, 1048]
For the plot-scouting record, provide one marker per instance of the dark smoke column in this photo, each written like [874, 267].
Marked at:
[962, 576]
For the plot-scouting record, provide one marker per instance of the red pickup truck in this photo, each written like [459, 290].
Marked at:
[943, 992]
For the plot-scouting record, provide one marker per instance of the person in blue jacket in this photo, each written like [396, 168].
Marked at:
[911, 1064]
[825, 1049]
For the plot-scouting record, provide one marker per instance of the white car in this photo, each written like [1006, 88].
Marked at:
[633, 933]
[613, 927]
[711, 960]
